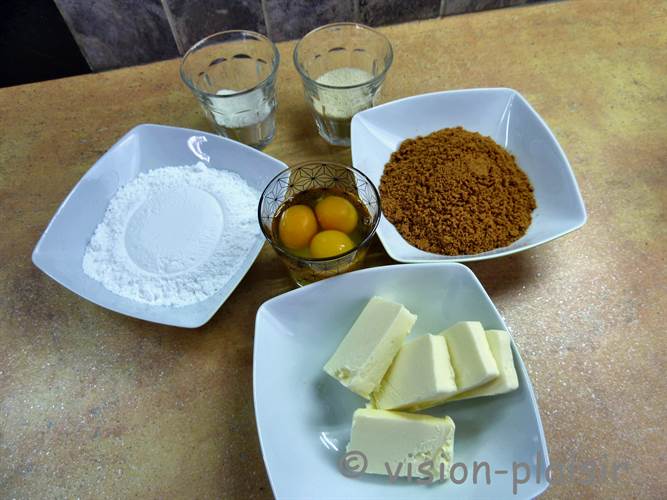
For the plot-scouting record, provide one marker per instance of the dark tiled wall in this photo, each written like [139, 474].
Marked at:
[117, 33]
[379, 12]
[290, 19]
[36, 44]
[192, 20]
[463, 6]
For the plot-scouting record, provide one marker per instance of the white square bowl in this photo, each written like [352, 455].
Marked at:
[59, 252]
[304, 416]
[502, 114]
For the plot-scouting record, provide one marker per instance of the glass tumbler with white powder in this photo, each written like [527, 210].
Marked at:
[233, 75]
[342, 66]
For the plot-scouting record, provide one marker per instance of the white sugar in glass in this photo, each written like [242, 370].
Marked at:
[233, 75]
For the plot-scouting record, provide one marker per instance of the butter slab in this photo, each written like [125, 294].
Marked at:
[421, 376]
[501, 349]
[470, 355]
[366, 352]
[391, 440]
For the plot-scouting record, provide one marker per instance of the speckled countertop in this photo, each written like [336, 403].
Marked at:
[94, 404]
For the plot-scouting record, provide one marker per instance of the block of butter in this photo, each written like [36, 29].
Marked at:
[421, 376]
[368, 349]
[470, 354]
[402, 444]
[501, 349]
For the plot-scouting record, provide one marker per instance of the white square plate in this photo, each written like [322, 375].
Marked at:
[304, 416]
[502, 114]
[59, 252]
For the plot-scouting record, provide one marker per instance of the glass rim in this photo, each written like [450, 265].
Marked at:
[200, 43]
[374, 224]
[375, 79]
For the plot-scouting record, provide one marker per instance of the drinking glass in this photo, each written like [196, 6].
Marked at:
[233, 75]
[342, 66]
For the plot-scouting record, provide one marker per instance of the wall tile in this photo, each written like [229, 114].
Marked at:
[291, 19]
[380, 12]
[193, 20]
[462, 6]
[117, 33]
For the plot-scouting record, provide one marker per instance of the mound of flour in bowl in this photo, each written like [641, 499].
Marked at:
[174, 236]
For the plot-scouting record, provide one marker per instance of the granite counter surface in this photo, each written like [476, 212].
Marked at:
[94, 404]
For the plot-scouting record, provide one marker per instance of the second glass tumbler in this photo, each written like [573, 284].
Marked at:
[343, 66]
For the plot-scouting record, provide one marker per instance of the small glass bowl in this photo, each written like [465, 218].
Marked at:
[317, 175]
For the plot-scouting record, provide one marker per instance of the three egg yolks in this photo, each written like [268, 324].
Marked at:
[298, 227]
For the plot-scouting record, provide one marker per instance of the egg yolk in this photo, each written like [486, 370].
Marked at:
[297, 226]
[335, 212]
[330, 243]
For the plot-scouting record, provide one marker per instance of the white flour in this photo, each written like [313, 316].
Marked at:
[174, 236]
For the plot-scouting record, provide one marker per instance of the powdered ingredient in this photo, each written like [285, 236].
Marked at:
[456, 192]
[174, 236]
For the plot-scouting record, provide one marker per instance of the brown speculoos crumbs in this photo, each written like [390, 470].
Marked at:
[456, 192]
